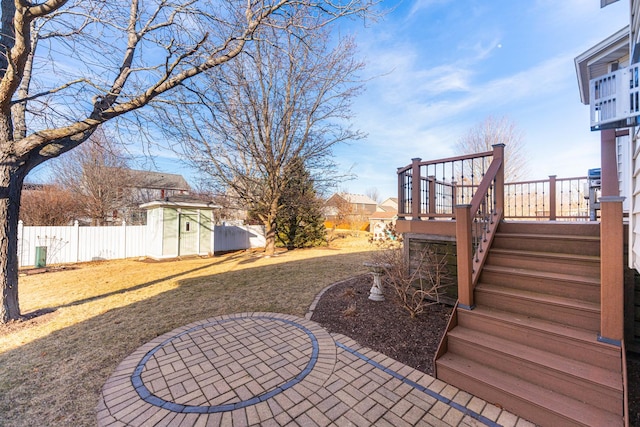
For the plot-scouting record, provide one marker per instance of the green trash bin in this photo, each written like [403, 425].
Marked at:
[41, 256]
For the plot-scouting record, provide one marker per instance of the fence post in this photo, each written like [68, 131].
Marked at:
[432, 195]
[124, 239]
[75, 241]
[464, 253]
[611, 270]
[552, 198]
[415, 189]
[498, 153]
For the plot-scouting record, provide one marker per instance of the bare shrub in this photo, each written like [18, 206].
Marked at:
[350, 311]
[349, 293]
[415, 286]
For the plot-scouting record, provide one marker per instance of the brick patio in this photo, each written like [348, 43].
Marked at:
[277, 370]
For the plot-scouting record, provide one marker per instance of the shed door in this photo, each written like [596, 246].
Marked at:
[188, 233]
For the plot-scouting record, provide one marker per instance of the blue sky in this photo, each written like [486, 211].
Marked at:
[435, 68]
[443, 66]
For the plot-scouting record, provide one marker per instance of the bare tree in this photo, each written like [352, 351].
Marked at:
[274, 106]
[67, 67]
[97, 175]
[48, 205]
[373, 194]
[492, 131]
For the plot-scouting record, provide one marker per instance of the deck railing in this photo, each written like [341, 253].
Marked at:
[431, 189]
[437, 186]
[548, 199]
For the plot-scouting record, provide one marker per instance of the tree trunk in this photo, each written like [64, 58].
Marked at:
[270, 235]
[11, 178]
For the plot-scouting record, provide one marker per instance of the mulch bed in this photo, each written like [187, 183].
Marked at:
[383, 325]
[633, 380]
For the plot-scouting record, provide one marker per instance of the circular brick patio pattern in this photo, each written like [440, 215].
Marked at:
[217, 365]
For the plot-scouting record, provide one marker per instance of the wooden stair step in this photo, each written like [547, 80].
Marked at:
[554, 236]
[569, 257]
[562, 243]
[594, 384]
[569, 311]
[575, 343]
[581, 265]
[533, 402]
[539, 297]
[551, 282]
[546, 275]
[581, 228]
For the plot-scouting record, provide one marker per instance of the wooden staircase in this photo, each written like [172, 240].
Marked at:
[530, 344]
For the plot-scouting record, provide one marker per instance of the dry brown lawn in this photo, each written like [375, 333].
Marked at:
[53, 366]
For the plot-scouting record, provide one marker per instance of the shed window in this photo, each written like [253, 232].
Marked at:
[187, 226]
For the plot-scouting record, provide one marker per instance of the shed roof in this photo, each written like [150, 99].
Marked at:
[181, 202]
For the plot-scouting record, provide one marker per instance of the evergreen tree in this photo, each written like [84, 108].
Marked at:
[299, 222]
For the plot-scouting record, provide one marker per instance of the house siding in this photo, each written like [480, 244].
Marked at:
[634, 216]
[623, 153]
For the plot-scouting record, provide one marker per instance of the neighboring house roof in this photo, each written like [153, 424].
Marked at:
[359, 199]
[381, 208]
[383, 215]
[158, 180]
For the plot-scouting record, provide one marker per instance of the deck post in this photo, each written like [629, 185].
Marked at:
[454, 196]
[609, 163]
[611, 270]
[552, 198]
[432, 195]
[464, 252]
[415, 189]
[498, 153]
[402, 197]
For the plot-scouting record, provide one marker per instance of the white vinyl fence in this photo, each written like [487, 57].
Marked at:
[77, 244]
[236, 237]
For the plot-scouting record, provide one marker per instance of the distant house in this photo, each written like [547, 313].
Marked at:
[389, 205]
[345, 210]
[147, 186]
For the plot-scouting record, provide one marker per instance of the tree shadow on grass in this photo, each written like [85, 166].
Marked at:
[55, 380]
[42, 311]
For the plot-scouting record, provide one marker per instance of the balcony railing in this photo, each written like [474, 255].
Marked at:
[615, 98]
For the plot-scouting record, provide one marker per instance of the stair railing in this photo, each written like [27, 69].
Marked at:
[476, 224]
